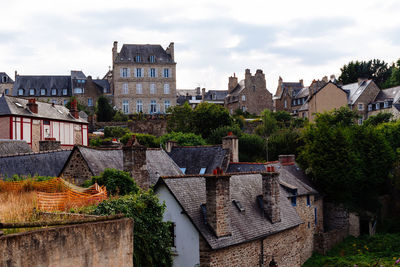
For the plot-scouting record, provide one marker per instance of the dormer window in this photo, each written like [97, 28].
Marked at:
[42, 91]
[20, 91]
[53, 91]
[202, 171]
[4, 79]
[64, 91]
[386, 104]
[138, 58]
[31, 91]
[377, 106]
[369, 107]
[152, 59]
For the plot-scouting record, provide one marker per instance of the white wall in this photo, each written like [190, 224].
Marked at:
[187, 237]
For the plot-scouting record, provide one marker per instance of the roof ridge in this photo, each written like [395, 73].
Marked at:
[34, 153]
[211, 175]
[198, 146]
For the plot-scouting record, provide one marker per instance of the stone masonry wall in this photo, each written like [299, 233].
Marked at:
[155, 127]
[76, 171]
[108, 243]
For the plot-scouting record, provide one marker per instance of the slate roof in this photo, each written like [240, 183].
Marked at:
[219, 95]
[236, 91]
[193, 158]
[249, 225]
[2, 75]
[47, 82]
[103, 84]
[17, 106]
[387, 94]
[355, 90]
[12, 147]
[303, 92]
[77, 74]
[48, 163]
[246, 167]
[157, 160]
[129, 51]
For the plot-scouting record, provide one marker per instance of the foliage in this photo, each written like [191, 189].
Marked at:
[269, 124]
[283, 118]
[115, 131]
[377, 250]
[119, 116]
[252, 148]
[79, 105]
[183, 139]
[217, 134]
[35, 178]
[117, 182]
[152, 237]
[104, 110]
[378, 119]
[96, 142]
[180, 119]
[245, 114]
[394, 79]
[284, 142]
[146, 140]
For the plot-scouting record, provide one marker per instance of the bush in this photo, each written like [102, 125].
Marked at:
[146, 140]
[117, 182]
[119, 116]
[252, 148]
[96, 142]
[104, 110]
[152, 237]
[115, 131]
[183, 139]
[217, 134]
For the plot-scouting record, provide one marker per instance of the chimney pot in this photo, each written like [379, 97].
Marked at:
[74, 109]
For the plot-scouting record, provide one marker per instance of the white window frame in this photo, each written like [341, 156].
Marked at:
[377, 106]
[124, 72]
[243, 98]
[166, 73]
[53, 91]
[64, 91]
[139, 106]
[370, 107]
[125, 106]
[139, 89]
[153, 106]
[152, 72]
[42, 91]
[31, 91]
[167, 104]
[153, 88]
[166, 89]
[244, 108]
[139, 72]
[20, 91]
[360, 106]
[386, 104]
[360, 121]
[152, 58]
[125, 89]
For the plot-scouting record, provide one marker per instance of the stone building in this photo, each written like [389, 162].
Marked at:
[285, 93]
[214, 96]
[143, 78]
[242, 218]
[191, 96]
[249, 95]
[32, 121]
[6, 84]
[387, 101]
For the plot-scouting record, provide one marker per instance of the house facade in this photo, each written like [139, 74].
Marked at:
[387, 101]
[249, 95]
[6, 84]
[32, 121]
[144, 78]
[285, 93]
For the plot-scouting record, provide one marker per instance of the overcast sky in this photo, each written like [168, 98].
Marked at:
[213, 39]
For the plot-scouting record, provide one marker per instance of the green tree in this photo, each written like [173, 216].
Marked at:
[378, 119]
[252, 148]
[152, 239]
[180, 119]
[183, 139]
[146, 140]
[217, 134]
[79, 105]
[269, 124]
[104, 111]
[115, 131]
[394, 79]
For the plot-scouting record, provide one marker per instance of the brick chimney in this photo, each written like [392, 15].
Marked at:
[287, 159]
[218, 203]
[171, 50]
[32, 105]
[74, 109]
[203, 94]
[49, 144]
[169, 145]
[231, 142]
[134, 157]
[114, 51]
[270, 190]
[233, 82]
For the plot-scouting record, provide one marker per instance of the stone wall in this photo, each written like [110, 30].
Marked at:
[76, 170]
[108, 243]
[157, 126]
[325, 241]
[250, 126]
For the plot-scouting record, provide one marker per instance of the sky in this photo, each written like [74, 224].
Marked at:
[296, 40]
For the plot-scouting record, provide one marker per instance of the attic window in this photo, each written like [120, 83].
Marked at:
[202, 171]
[122, 58]
[204, 212]
[138, 58]
[183, 170]
[293, 200]
[260, 202]
[152, 59]
[20, 91]
[18, 104]
[238, 205]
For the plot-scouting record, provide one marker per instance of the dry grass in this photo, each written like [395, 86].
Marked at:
[17, 206]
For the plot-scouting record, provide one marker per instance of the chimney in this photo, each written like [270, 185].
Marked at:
[32, 105]
[325, 79]
[203, 94]
[134, 160]
[49, 144]
[218, 203]
[233, 81]
[169, 145]
[280, 81]
[360, 80]
[301, 82]
[171, 50]
[114, 51]
[287, 159]
[270, 190]
[231, 142]
[197, 90]
[15, 75]
[74, 109]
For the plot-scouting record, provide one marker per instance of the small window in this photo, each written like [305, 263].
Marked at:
[152, 88]
[172, 233]
[78, 90]
[202, 171]
[203, 209]
[31, 91]
[152, 59]
[152, 72]
[183, 170]
[153, 106]
[53, 91]
[243, 98]
[90, 102]
[167, 105]
[125, 106]
[293, 200]
[386, 104]
[4, 79]
[377, 106]
[308, 200]
[166, 73]
[6, 91]
[124, 72]
[54, 101]
[46, 122]
[309, 225]
[138, 58]
[244, 108]
[369, 107]
[360, 106]
[315, 216]
[214, 96]
[64, 91]
[125, 89]
[139, 72]
[254, 88]
[285, 103]
[360, 121]
[139, 89]
[166, 89]
[42, 91]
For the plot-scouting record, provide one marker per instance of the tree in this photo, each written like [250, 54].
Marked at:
[394, 79]
[378, 119]
[269, 124]
[217, 134]
[183, 139]
[152, 239]
[180, 119]
[104, 111]
[146, 140]
[252, 148]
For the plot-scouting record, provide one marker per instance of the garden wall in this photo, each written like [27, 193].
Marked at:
[153, 126]
[323, 242]
[106, 243]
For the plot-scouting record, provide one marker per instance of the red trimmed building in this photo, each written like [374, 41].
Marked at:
[22, 119]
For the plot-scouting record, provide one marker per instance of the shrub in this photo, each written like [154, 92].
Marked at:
[183, 139]
[252, 148]
[119, 116]
[115, 131]
[217, 134]
[146, 140]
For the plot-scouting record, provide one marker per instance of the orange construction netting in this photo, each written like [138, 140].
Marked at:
[57, 194]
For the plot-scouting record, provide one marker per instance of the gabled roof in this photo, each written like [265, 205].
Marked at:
[219, 95]
[246, 167]
[47, 163]
[303, 92]
[38, 82]
[389, 94]
[8, 79]
[194, 158]
[157, 160]
[239, 88]
[355, 90]
[17, 106]
[130, 51]
[103, 84]
[319, 85]
[190, 193]
[12, 147]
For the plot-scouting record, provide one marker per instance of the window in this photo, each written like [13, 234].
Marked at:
[167, 104]
[31, 91]
[139, 90]
[377, 106]
[125, 89]
[124, 72]
[54, 101]
[254, 88]
[285, 103]
[243, 98]
[183, 170]
[315, 216]
[139, 72]
[166, 73]
[172, 233]
[308, 200]
[214, 96]
[202, 171]
[64, 91]
[78, 90]
[90, 102]
[152, 88]
[152, 59]
[4, 79]
[360, 121]
[152, 72]
[244, 108]
[20, 91]
[125, 106]
[153, 106]
[369, 107]
[65, 102]
[166, 88]
[293, 200]
[42, 91]
[139, 106]
[53, 91]
[138, 58]
[360, 106]
[386, 104]
[6, 91]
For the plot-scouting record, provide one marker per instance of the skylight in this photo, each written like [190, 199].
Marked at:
[60, 111]
[202, 170]
[183, 170]
[18, 104]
